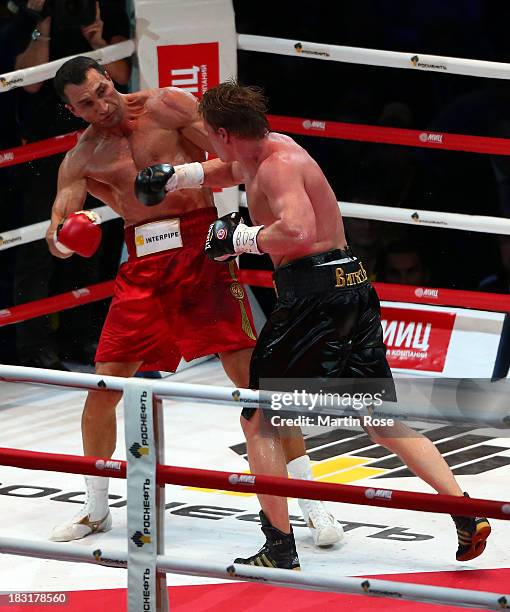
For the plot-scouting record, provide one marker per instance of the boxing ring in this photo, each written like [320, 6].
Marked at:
[155, 562]
[134, 390]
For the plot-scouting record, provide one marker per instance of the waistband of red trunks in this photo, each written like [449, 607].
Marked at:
[193, 225]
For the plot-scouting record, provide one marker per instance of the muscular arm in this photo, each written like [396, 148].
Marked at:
[179, 111]
[71, 194]
[282, 182]
[222, 174]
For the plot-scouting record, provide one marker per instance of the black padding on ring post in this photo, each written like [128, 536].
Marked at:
[502, 363]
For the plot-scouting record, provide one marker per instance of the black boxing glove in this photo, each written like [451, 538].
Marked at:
[228, 236]
[154, 182]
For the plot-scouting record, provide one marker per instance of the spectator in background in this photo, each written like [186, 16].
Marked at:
[364, 236]
[388, 169]
[499, 282]
[403, 263]
[16, 26]
[42, 116]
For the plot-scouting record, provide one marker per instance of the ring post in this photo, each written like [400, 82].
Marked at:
[142, 524]
[159, 439]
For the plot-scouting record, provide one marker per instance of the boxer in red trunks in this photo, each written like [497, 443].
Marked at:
[169, 300]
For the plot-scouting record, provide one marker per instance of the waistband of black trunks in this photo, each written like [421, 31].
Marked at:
[338, 269]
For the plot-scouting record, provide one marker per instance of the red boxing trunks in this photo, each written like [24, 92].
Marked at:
[171, 301]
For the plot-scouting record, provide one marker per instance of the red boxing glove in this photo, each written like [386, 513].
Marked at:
[80, 233]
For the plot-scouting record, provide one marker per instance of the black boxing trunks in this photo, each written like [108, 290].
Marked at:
[325, 325]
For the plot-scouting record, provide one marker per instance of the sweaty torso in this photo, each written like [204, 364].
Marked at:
[329, 229]
[112, 158]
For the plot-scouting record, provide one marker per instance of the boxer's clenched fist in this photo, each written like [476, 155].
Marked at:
[154, 182]
[80, 232]
[228, 236]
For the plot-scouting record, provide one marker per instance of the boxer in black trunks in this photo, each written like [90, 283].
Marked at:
[326, 320]
[325, 325]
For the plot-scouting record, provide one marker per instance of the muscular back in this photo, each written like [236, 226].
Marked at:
[288, 187]
[158, 126]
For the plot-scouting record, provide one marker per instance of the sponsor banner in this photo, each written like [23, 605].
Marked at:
[314, 124]
[431, 62]
[9, 239]
[193, 67]
[417, 340]
[311, 50]
[141, 488]
[9, 80]
[441, 340]
[158, 236]
[193, 46]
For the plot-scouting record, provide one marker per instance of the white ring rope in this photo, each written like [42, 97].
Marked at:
[374, 57]
[410, 216]
[282, 46]
[309, 580]
[36, 74]
[265, 44]
[451, 400]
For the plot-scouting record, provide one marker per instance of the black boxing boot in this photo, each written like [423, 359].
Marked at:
[472, 534]
[279, 551]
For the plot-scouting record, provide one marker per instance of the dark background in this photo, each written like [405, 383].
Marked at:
[395, 175]
[388, 175]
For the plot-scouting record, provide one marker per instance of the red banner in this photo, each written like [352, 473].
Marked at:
[417, 339]
[194, 68]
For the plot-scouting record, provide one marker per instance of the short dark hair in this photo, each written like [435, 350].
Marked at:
[74, 72]
[237, 108]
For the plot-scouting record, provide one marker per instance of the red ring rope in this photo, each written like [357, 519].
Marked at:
[56, 303]
[388, 135]
[36, 150]
[494, 302]
[306, 127]
[270, 485]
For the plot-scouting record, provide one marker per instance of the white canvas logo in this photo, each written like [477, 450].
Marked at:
[428, 137]
[314, 125]
[186, 78]
[409, 335]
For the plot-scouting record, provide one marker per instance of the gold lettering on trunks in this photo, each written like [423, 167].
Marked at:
[237, 291]
[357, 277]
[340, 277]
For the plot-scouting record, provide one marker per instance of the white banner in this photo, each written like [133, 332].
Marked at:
[141, 496]
[190, 44]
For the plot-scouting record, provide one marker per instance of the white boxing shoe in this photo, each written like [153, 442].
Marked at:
[325, 529]
[94, 516]
[79, 527]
